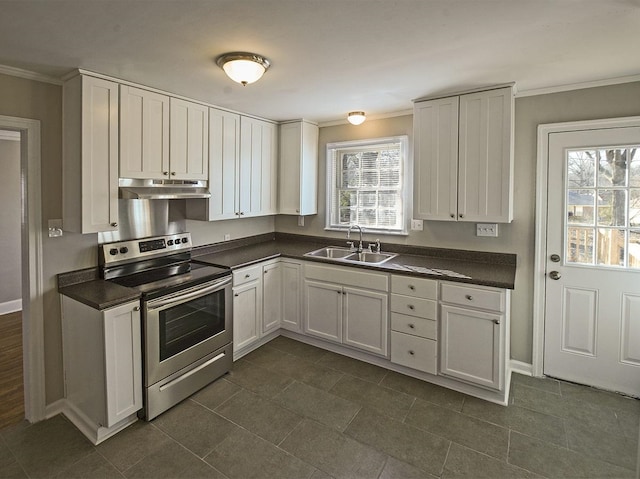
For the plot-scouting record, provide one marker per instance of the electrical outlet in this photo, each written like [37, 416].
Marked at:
[417, 225]
[227, 237]
[487, 229]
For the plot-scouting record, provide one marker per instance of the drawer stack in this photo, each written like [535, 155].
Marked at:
[414, 323]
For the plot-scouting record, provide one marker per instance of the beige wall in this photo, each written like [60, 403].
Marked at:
[10, 266]
[517, 237]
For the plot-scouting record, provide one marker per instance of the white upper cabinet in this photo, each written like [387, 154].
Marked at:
[189, 140]
[144, 134]
[464, 157]
[298, 168]
[90, 152]
[162, 137]
[258, 168]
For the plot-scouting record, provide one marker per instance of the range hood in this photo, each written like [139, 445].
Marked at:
[137, 189]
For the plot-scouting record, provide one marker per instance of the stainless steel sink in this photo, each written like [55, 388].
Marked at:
[336, 253]
[371, 258]
[331, 252]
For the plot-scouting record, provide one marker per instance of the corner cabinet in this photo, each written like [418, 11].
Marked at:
[464, 157]
[298, 184]
[473, 334]
[242, 169]
[102, 367]
[338, 308]
[90, 152]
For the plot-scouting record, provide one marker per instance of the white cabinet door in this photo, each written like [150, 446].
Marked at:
[291, 299]
[436, 159]
[298, 168]
[323, 310]
[189, 140]
[257, 168]
[485, 183]
[247, 314]
[90, 169]
[144, 134]
[272, 297]
[471, 345]
[123, 362]
[224, 154]
[366, 320]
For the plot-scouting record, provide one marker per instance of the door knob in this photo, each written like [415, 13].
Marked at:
[555, 275]
[555, 258]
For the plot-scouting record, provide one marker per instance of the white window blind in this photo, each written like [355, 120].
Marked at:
[366, 183]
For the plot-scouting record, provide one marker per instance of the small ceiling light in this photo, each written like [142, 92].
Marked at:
[356, 117]
[243, 67]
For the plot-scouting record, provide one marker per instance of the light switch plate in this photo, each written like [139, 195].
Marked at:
[487, 229]
[227, 237]
[417, 225]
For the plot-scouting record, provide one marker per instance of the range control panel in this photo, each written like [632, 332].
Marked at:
[142, 248]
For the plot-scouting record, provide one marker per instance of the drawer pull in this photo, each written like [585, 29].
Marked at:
[412, 287]
[237, 294]
[411, 353]
[247, 275]
[412, 326]
[411, 307]
[469, 297]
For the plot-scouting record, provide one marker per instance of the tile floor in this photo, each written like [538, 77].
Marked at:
[289, 410]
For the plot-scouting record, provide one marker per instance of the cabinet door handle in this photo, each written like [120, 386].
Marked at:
[452, 215]
[469, 297]
[496, 321]
[412, 287]
[412, 326]
[114, 224]
[344, 293]
[411, 307]
[136, 308]
[411, 352]
[242, 213]
[165, 173]
[173, 173]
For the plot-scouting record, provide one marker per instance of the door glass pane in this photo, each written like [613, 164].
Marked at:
[612, 166]
[612, 207]
[634, 249]
[603, 204]
[611, 247]
[580, 245]
[581, 169]
[634, 207]
[581, 206]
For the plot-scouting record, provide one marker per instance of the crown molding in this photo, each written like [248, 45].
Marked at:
[578, 86]
[29, 75]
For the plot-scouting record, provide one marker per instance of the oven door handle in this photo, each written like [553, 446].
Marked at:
[181, 298]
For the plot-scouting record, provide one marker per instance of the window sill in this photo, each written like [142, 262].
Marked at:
[367, 231]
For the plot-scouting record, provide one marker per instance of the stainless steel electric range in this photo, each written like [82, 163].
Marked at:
[186, 315]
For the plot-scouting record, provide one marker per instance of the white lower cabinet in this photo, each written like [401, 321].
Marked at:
[102, 353]
[336, 309]
[414, 322]
[265, 298]
[474, 323]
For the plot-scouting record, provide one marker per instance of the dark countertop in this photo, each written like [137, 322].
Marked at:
[487, 269]
[100, 294]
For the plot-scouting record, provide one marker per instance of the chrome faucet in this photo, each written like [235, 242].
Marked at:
[350, 243]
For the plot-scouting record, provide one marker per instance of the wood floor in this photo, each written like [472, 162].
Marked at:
[11, 381]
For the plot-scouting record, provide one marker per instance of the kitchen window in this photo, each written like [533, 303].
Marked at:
[367, 185]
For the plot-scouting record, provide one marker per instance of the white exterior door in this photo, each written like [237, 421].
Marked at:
[592, 312]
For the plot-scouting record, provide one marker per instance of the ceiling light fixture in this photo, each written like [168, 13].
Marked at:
[243, 67]
[356, 117]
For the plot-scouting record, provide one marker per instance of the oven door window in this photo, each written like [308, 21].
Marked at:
[190, 323]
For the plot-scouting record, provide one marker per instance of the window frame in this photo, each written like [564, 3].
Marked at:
[406, 181]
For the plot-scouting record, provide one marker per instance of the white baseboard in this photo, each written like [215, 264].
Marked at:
[11, 306]
[54, 408]
[519, 367]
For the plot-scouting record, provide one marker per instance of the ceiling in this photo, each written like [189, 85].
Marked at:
[328, 56]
